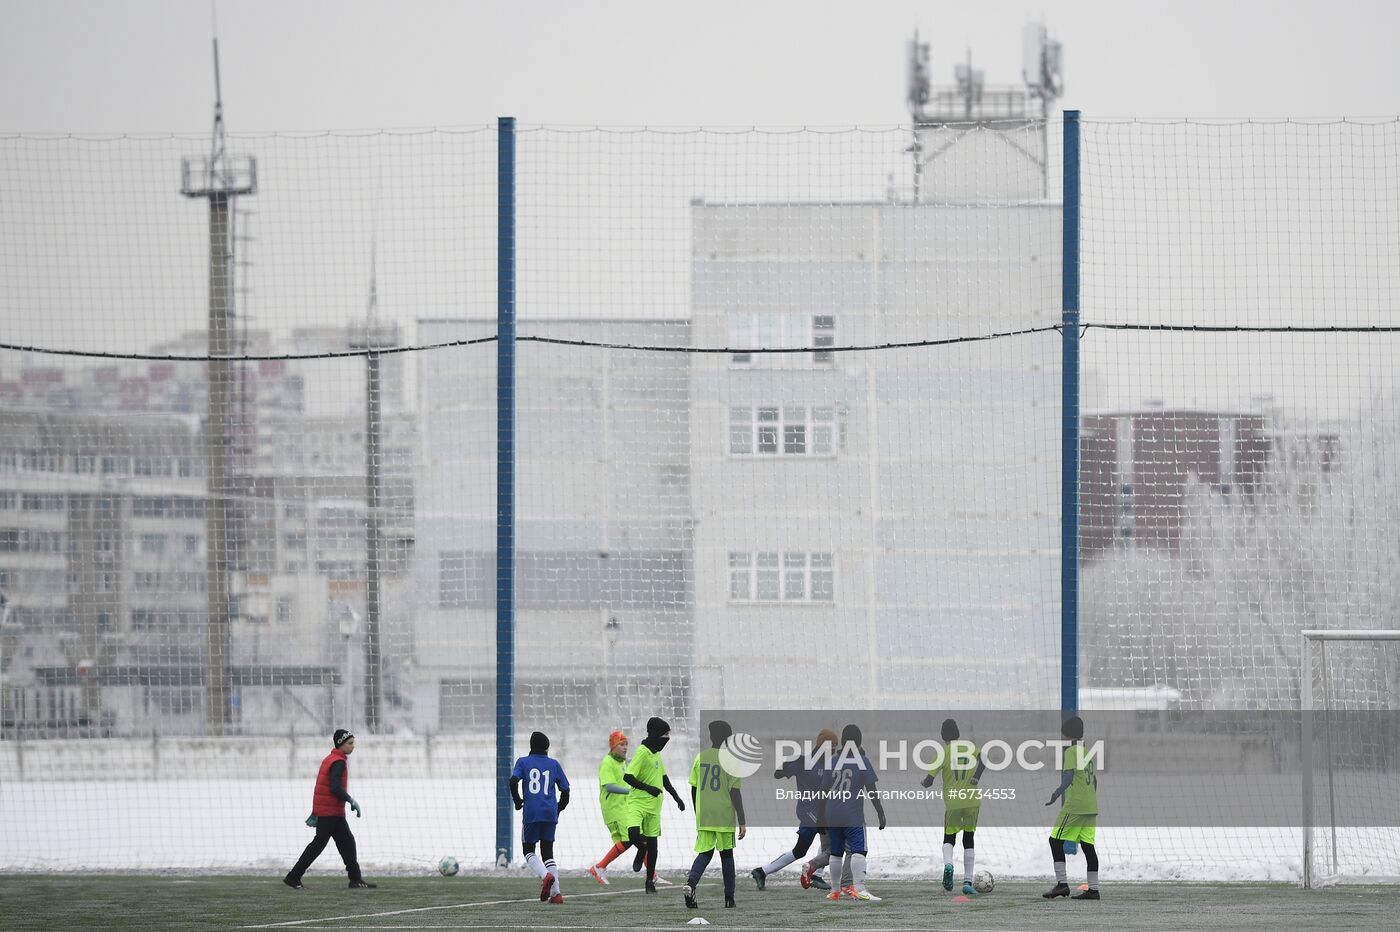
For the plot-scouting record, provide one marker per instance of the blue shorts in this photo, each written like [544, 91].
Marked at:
[847, 841]
[531, 832]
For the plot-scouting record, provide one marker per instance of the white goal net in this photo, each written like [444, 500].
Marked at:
[1351, 756]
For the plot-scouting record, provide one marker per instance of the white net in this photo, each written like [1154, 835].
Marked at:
[788, 436]
[1238, 473]
[1351, 691]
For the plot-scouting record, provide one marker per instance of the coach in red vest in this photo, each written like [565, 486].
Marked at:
[328, 815]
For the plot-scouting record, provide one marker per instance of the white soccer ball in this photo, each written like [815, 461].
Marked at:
[983, 881]
[448, 866]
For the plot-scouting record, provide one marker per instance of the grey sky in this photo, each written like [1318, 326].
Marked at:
[143, 65]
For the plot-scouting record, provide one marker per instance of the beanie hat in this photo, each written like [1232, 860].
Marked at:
[719, 730]
[826, 736]
[851, 735]
[539, 742]
[656, 727]
[615, 739]
[341, 736]
[950, 730]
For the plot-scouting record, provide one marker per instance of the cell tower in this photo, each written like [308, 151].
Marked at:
[219, 178]
[943, 115]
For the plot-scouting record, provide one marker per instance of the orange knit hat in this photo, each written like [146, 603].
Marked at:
[615, 739]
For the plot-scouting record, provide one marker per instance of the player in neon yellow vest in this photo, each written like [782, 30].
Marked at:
[1079, 812]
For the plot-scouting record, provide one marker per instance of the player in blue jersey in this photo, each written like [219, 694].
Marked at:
[852, 780]
[812, 777]
[540, 777]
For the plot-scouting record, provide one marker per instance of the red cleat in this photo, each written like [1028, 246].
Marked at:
[806, 877]
[545, 886]
[557, 899]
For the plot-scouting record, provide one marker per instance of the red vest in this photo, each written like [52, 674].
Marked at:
[323, 802]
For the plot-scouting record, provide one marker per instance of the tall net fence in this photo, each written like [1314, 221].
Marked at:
[788, 435]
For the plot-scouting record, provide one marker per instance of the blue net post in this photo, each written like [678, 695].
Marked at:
[505, 484]
[1069, 459]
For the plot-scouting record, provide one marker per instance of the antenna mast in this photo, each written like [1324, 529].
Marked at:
[219, 179]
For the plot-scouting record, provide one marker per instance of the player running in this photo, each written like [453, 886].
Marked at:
[719, 807]
[812, 778]
[612, 799]
[1079, 813]
[647, 774]
[961, 768]
[541, 776]
[853, 776]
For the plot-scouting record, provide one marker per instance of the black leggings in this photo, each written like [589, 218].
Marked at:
[546, 849]
[327, 828]
[953, 839]
[726, 866]
[647, 844]
[1091, 857]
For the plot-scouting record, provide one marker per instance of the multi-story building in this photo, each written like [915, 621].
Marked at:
[1135, 466]
[117, 450]
[604, 593]
[880, 529]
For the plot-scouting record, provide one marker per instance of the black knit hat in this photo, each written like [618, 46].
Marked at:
[539, 742]
[950, 730]
[656, 727]
[719, 731]
[341, 736]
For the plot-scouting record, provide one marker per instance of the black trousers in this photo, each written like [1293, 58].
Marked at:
[327, 828]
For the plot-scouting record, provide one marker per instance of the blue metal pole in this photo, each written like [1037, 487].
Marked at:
[1069, 430]
[505, 484]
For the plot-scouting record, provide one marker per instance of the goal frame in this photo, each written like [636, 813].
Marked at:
[1307, 639]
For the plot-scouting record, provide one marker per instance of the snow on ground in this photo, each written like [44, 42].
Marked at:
[243, 823]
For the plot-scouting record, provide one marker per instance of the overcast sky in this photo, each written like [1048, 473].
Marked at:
[144, 67]
[138, 66]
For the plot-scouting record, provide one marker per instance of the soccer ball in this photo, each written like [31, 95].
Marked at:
[983, 881]
[447, 867]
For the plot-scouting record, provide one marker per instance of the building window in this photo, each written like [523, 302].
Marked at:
[792, 576]
[823, 335]
[34, 461]
[85, 464]
[172, 700]
[43, 501]
[153, 543]
[790, 430]
[756, 330]
[7, 501]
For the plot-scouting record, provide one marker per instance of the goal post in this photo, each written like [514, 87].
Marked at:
[1342, 671]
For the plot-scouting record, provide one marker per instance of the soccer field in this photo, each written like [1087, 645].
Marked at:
[33, 901]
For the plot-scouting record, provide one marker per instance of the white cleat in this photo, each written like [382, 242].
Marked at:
[867, 896]
[663, 882]
[599, 874]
